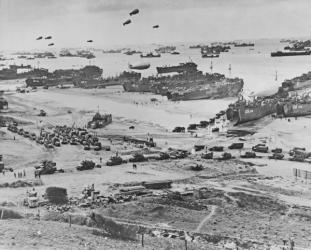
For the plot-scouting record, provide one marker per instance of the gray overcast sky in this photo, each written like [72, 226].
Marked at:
[72, 22]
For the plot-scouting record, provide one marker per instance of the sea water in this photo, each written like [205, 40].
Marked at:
[253, 64]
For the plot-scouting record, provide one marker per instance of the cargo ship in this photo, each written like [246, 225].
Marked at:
[165, 49]
[182, 67]
[243, 111]
[291, 53]
[81, 53]
[131, 52]
[244, 44]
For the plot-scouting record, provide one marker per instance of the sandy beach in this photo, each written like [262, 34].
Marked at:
[259, 177]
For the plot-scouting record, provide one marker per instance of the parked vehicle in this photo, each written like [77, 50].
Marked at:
[249, 155]
[261, 148]
[236, 146]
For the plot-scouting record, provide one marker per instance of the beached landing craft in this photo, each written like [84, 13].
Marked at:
[99, 121]
[243, 111]
[190, 84]
[284, 103]
[208, 86]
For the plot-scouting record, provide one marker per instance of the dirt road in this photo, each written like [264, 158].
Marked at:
[210, 215]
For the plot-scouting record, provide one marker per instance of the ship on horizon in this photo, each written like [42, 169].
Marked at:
[291, 53]
[150, 55]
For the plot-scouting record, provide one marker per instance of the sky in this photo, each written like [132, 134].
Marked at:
[72, 22]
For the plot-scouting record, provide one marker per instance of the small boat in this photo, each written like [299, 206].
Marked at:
[206, 55]
[150, 55]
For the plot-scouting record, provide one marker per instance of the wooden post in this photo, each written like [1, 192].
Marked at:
[2, 212]
[142, 240]
[186, 244]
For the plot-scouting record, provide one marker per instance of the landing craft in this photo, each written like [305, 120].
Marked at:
[134, 12]
[51, 44]
[155, 26]
[89, 41]
[127, 22]
[39, 38]
[139, 66]
[48, 37]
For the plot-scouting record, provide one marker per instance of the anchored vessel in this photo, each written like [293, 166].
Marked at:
[165, 49]
[150, 55]
[210, 55]
[291, 53]
[244, 44]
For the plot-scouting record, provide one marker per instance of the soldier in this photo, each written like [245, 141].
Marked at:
[292, 244]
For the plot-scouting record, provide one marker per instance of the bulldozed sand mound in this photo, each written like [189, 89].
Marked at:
[22, 183]
[9, 214]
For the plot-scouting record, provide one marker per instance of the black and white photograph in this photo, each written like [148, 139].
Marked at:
[155, 125]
